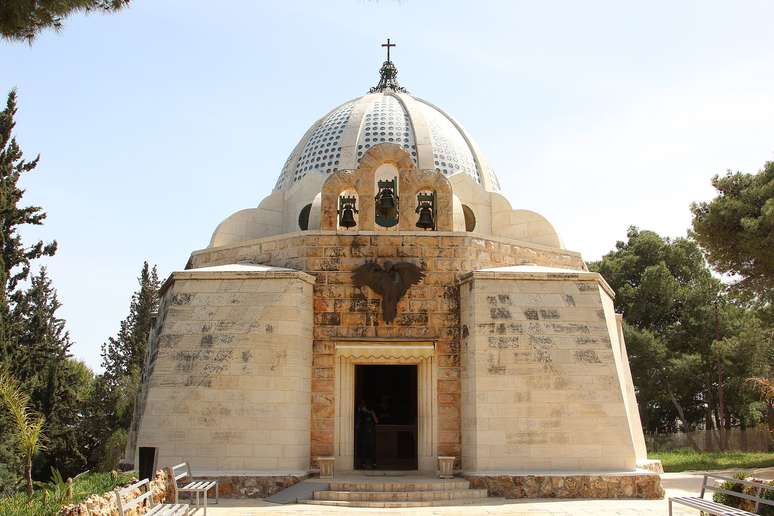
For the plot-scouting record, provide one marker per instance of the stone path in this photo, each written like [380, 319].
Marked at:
[676, 484]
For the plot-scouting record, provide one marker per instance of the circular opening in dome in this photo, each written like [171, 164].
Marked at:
[303, 217]
[470, 218]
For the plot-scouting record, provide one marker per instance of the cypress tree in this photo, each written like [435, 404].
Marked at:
[15, 258]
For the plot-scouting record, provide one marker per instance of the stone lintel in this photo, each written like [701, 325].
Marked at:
[525, 275]
[235, 275]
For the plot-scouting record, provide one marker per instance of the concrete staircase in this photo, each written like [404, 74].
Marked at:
[399, 493]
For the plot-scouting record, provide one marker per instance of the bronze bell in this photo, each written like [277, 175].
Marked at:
[425, 216]
[347, 219]
[387, 203]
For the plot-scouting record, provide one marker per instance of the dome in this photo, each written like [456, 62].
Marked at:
[388, 114]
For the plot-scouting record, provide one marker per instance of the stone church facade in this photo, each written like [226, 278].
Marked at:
[262, 345]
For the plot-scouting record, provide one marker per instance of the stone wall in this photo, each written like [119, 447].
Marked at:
[253, 487]
[227, 379]
[429, 311]
[105, 504]
[543, 383]
[639, 485]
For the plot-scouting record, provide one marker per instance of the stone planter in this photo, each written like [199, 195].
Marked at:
[326, 466]
[446, 467]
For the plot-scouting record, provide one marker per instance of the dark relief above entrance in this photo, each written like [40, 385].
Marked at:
[391, 282]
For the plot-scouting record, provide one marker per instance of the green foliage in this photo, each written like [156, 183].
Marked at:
[684, 334]
[15, 257]
[108, 413]
[113, 450]
[736, 487]
[690, 460]
[27, 426]
[50, 500]
[23, 19]
[736, 229]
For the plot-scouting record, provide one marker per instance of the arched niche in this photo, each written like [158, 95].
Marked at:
[387, 173]
[351, 194]
[470, 218]
[362, 181]
[303, 217]
[415, 181]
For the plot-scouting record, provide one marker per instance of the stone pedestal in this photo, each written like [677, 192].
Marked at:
[446, 467]
[326, 466]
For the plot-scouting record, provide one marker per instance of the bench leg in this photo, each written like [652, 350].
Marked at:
[205, 503]
[670, 507]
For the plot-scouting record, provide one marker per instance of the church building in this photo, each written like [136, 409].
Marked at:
[387, 273]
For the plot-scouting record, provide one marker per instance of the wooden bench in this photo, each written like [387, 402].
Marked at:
[135, 500]
[718, 509]
[191, 486]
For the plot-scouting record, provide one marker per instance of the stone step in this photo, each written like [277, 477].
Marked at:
[400, 496]
[438, 485]
[406, 504]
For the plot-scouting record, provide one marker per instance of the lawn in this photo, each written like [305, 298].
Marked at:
[687, 460]
[48, 501]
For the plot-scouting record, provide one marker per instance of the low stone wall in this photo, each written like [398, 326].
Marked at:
[638, 485]
[105, 504]
[253, 487]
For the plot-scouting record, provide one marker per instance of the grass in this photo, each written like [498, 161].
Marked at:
[48, 501]
[689, 460]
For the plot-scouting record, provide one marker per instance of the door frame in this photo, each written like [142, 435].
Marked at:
[421, 354]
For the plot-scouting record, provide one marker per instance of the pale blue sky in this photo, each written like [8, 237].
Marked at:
[156, 123]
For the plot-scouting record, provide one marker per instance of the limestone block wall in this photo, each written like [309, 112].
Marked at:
[544, 383]
[228, 374]
[428, 312]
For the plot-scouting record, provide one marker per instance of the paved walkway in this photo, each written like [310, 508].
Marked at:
[676, 484]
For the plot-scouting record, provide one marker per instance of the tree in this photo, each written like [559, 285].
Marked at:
[23, 20]
[687, 341]
[109, 411]
[28, 426]
[41, 358]
[15, 258]
[736, 229]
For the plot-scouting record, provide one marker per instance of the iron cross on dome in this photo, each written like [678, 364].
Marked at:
[388, 45]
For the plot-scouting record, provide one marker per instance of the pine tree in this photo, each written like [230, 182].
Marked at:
[15, 258]
[109, 411]
[24, 19]
[123, 354]
[42, 358]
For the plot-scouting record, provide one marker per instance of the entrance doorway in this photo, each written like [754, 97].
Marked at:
[390, 392]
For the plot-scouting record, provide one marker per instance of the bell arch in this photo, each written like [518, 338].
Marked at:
[362, 181]
[425, 181]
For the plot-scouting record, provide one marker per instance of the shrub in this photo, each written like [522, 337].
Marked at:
[49, 498]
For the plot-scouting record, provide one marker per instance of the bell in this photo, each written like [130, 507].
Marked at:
[387, 203]
[347, 219]
[425, 217]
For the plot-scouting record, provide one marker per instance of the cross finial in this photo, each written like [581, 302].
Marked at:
[388, 45]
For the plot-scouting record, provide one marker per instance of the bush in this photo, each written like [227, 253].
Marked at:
[741, 503]
[736, 487]
[51, 498]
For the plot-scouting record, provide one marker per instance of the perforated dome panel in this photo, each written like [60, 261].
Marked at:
[377, 118]
[322, 151]
[451, 153]
[386, 122]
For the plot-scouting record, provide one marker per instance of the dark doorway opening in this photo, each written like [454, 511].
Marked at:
[388, 441]
[147, 459]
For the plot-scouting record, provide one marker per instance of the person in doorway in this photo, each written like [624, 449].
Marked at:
[365, 428]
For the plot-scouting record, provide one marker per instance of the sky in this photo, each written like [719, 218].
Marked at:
[156, 123]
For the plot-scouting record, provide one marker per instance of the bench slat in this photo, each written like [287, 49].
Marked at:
[709, 506]
[138, 500]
